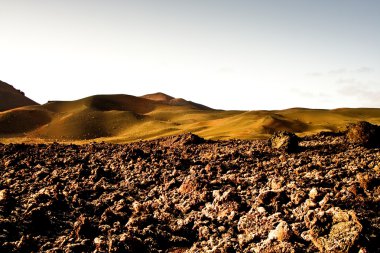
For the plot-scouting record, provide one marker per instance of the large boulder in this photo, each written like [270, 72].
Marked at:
[364, 134]
[182, 140]
[285, 141]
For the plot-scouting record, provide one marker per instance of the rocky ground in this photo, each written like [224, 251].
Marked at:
[183, 194]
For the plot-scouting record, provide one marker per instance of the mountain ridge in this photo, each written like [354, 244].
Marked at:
[121, 118]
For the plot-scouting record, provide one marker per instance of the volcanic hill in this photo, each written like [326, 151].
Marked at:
[11, 98]
[125, 118]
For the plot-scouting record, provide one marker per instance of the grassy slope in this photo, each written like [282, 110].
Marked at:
[122, 118]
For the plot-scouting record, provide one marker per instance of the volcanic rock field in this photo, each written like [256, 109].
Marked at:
[187, 194]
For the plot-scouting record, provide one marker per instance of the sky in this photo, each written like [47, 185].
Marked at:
[236, 54]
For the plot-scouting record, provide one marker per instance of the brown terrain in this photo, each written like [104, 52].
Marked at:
[295, 189]
[319, 193]
[11, 98]
[125, 118]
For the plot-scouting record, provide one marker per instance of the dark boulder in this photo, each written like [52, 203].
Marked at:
[285, 141]
[182, 140]
[364, 134]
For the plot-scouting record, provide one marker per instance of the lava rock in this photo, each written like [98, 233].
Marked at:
[183, 139]
[83, 228]
[281, 233]
[171, 195]
[364, 134]
[285, 141]
[338, 232]
[6, 201]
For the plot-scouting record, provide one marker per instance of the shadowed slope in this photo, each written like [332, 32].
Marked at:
[94, 117]
[20, 121]
[117, 102]
[11, 98]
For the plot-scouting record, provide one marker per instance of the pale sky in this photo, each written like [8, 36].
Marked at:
[236, 54]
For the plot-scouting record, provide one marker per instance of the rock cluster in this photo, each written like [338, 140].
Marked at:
[190, 196]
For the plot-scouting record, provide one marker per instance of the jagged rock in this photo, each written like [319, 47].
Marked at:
[83, 228]
[189, 185]
[283, 140]
[190, 138]
[335, 231]
[255, 226]
[183, 139]
[281, 233]
[272, 200]
[313, 194]
[4, 196]
[364, 134]
[222, 196]
[272, 246]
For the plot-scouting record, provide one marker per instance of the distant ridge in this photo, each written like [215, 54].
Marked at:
[164, 98]
[11, 98]
[159, 96]
[98, 116]
[124, 118]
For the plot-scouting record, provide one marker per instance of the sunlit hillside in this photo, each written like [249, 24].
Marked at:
[124, 118]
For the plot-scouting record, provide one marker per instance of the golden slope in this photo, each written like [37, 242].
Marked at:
[94, 117]
[21, 121]
[123, 118]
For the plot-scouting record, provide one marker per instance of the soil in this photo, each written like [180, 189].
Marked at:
[185, 194]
